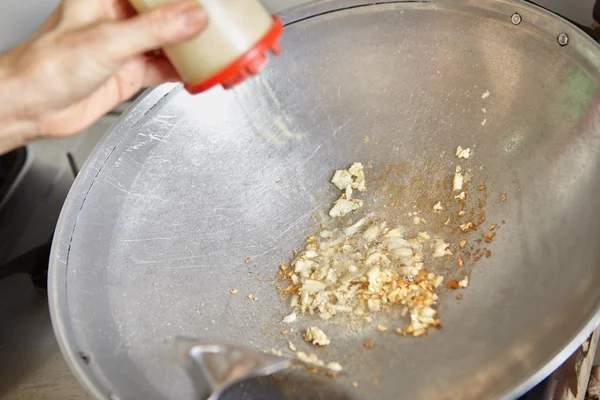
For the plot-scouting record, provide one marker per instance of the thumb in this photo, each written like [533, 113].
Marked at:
[153, 29]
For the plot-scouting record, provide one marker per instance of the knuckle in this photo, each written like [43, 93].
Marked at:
[160, 22]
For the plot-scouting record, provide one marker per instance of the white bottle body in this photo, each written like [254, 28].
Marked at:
[234, 27]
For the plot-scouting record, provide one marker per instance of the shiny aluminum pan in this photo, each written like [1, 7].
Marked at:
[155, 231]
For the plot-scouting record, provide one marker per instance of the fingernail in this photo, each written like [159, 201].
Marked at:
[192, 17]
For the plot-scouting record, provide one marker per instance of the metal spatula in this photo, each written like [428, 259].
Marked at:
[215, 367]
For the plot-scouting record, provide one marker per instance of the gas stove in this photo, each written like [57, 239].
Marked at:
[35, 180]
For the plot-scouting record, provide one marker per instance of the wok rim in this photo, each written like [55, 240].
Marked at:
[82, 185]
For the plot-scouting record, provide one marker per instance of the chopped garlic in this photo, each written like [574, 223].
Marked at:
[309, 359]
[441, 249]
[302, 265]
[316, 336]
[291, 346]
[314, 360]
[362, 269]
[466, 226]
[312, 286]
[382, 328]
[461, 196]
[288, 319]
[352, 177]
[371, 233]
[373, 304]
[418, 220]
[275, 352]
[342, 265]
[463, 153]
[346, 180]
[347, 193]
[344, 206]
[394, 233]
[357, 171]
[458, 179]
[486, 94]
[464, 282]
[351, 230]
[342, 179]
[326, 234]
[437, 207]
[424, 236]
[334, 366]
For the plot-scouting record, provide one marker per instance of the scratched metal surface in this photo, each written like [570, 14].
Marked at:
[156, 229]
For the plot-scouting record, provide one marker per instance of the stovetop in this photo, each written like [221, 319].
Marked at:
[11, 165]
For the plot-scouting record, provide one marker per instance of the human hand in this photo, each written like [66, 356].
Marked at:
[89, 56]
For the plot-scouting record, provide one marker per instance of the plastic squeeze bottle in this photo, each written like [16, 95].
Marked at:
[232, 47]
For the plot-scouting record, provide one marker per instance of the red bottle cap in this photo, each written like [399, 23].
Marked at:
[246, 66]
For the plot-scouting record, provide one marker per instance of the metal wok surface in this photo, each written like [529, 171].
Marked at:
[156, 229]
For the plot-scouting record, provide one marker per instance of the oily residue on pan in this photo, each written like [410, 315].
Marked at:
[400, 192]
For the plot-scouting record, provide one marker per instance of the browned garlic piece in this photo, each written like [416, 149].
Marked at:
[316, 336]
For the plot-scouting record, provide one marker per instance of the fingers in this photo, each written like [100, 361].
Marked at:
[137, 73]
[159, 70]
[153, 29]
[75, 14]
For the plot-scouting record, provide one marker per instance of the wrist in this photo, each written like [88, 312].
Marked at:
[16, 127]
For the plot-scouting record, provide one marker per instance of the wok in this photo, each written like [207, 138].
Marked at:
[158, 225]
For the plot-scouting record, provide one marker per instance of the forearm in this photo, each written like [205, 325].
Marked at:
[16, 127]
